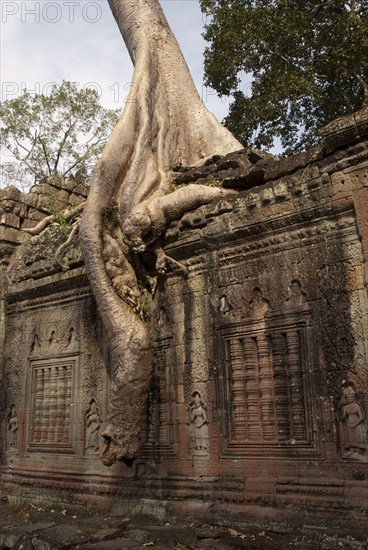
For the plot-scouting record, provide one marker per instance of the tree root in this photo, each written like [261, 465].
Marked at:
[64, 246]
[163, 261]
[67, 216]
[164, 124]
[149, 219]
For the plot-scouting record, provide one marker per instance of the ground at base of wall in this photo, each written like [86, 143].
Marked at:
[28, 527]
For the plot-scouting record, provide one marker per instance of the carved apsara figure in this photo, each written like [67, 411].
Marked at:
[352, 416]
[13, 428]
[199, 422]
[93, 422]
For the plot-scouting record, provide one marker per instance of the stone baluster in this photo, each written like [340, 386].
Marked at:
[51, 435]
[282, 404]
[252, 389]
[266, 387]
[37, 420]
[68, 404]
[61, 398]
[46, 405]
[238, 389]
[296, 386]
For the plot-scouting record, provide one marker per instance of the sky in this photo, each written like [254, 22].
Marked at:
[43, 42]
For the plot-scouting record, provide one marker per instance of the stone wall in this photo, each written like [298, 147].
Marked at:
[260, 386]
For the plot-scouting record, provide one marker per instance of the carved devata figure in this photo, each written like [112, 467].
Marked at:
[93, 422]
[199, 422]
[13, 428]
[354, 427]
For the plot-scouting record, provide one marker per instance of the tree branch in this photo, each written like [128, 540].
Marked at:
[65, 245]
[46, 155]
[83, 157]
[60, 148]
[24, 160]
[364, 86]
[286, 59]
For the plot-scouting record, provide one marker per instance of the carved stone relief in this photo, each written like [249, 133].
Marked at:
[258, 305]
[353, 427]
[92, 427]
[297, 297]
[198, 423]
[335, 312]
[52, 405]
[12, 429]
[53, 378]
[263, 373]
[158, 434]
[56, 338]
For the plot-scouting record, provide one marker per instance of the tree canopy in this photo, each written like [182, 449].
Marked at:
[307, 62]
[55, 134]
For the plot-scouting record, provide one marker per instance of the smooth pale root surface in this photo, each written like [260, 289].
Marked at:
[164, 124]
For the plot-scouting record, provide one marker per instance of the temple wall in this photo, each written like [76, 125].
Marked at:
[260, 385]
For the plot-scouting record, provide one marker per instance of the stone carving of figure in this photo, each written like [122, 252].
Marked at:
[355, 444]
[72, 340]
[199, 423]
[35, 344]
[225, 306]
[13, 427]
[296, 297]
[92, 427]
[258, 306]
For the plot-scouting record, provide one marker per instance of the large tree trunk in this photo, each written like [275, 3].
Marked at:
[164, 124]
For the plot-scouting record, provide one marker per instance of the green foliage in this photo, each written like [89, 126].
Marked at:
[307, 62]
[60, 218]
[59, 134]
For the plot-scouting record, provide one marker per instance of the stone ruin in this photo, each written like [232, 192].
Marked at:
[260, 386]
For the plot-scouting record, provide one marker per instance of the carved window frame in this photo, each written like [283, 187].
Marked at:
[230, 443]
[47, 441]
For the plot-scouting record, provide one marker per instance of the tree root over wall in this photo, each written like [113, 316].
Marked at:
[164, 125]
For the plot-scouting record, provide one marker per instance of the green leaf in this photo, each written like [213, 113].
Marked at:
[308, 62]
